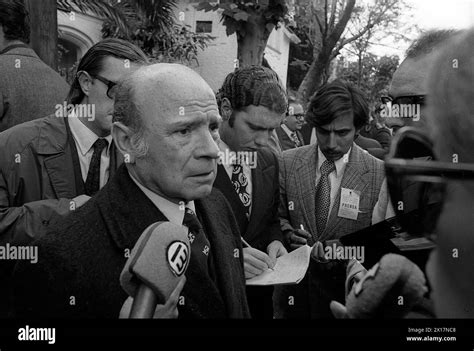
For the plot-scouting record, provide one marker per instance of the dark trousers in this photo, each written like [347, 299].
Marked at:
[260, 301]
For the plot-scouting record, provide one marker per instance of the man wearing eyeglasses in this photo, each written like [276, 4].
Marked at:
[53, 165]
[405, 103]
[288, 132]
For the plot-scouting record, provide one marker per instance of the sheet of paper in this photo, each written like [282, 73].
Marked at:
[289, 269]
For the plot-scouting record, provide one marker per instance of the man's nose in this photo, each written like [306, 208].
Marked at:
[332, 144]
[262, 138]
[208, 146]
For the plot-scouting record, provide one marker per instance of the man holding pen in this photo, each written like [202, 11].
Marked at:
[252, 104]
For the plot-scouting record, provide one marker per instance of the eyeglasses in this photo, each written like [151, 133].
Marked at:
[404, 100]
[111, 86]
[417, 182]
[299, 116]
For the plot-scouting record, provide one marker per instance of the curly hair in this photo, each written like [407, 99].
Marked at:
[254, 85]
[15, 20]
[337, 98]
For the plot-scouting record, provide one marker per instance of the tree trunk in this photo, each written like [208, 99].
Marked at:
[44, 30]
[314, 78]
[251, 41]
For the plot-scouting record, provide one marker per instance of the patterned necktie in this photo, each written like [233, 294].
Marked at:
[200, 246]
[92, 185]
[240, 183]
[294, 136]
[323, 195]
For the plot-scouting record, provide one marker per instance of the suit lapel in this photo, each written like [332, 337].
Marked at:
[354, 179]
[229, 274]
[58, 161]
[223, 183]
[305, 176]
[260, 196]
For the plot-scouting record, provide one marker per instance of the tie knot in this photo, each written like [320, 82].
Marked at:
[191, 221]
[100, 144]
[327, 167]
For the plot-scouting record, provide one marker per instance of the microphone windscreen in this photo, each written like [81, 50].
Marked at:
[390, 289]
[158, 259]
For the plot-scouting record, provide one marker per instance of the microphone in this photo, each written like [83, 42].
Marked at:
[390, 289]
[155, 266]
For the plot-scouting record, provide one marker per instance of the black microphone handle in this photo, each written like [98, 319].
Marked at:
[144, 303]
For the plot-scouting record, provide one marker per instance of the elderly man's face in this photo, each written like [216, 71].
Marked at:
[410, 79]
[182, 128]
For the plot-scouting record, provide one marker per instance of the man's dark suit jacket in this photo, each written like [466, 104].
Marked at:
[285, 141]
[264, 225]
[83, 256]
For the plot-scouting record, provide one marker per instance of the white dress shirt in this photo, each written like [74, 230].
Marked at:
[85, 139]
[174, 212]
[229, 167]
[335, 179]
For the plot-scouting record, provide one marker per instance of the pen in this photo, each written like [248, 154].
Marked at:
[245, 243]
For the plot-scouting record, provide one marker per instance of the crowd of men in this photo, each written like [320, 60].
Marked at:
[138, 143]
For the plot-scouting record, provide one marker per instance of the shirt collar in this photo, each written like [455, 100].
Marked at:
[84, 137]
[340, 164]
[174, 212]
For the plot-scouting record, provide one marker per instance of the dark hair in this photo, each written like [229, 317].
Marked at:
[429, 41]
[335, 99]
[253, 85]
[92, 61]
[15, 20]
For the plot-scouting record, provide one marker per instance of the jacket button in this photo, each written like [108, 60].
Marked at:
[45, 222]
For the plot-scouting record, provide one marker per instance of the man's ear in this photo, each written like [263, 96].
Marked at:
[121, 135]
[226, 109]
[338, 310]
[85, 81]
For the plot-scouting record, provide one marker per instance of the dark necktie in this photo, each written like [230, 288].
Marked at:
[240, 183]
[93, 175]
[323, 196]
[200, 246]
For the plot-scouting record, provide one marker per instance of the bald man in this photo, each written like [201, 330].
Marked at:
[165, 124]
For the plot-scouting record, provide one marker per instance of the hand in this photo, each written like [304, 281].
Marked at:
[297, 238]
[338, 310]
[168, 310]
[81, 200]
[275, 249]
[317, 252]
[255, 262]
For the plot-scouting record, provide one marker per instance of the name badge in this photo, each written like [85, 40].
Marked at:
[349, 206]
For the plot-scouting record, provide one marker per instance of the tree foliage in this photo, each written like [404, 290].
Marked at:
[328, 26]
[374, 78]
[150, 24]
[252, 21]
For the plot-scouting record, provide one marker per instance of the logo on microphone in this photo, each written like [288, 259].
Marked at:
[177, 255]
